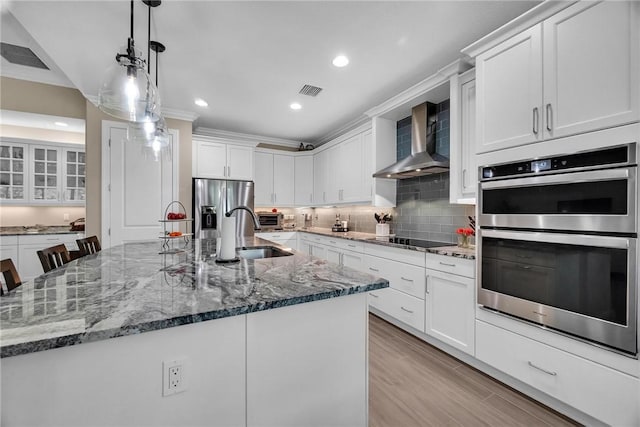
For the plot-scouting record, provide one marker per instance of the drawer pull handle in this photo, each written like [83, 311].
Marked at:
[405, 279]
[331, 241]
[524, 267]
[374, 269]
[406, 309]
[374, 295]
[352, 246]
[542, 369]
[447, 264]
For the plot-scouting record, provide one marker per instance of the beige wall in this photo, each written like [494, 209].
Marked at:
[31, 97]
[41, 134]
[45, 215]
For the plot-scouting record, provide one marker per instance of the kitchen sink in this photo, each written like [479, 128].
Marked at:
[259, 252]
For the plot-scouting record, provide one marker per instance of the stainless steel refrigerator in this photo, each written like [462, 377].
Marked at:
[212, 198]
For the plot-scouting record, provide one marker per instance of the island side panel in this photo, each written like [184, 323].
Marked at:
[307, 364]
[119, 381]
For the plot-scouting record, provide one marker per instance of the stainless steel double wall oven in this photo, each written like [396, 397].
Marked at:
[558, 243]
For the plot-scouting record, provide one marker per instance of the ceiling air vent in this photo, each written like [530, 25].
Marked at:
[21, 55]
[310, 90]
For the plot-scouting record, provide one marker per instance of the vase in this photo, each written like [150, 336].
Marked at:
[464, 241]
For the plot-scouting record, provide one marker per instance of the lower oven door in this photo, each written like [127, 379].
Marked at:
[582, 285]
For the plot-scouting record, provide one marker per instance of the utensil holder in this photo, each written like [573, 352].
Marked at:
[382, 230]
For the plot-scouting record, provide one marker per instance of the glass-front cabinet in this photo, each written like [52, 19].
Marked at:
[36, 173]
[12, 172]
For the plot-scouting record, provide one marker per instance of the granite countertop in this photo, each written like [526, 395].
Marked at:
[36, 230]
[129, 289]
[446, 248]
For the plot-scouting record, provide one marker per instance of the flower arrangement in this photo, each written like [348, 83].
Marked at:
[464, 234]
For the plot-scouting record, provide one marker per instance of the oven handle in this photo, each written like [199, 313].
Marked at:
[567, 178]
[570, 239]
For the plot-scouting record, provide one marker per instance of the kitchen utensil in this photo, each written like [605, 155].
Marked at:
[377, 217]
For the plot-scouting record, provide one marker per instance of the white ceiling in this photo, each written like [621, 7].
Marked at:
[41, 121]
[250, 59]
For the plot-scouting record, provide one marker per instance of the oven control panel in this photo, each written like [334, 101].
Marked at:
[591, 159]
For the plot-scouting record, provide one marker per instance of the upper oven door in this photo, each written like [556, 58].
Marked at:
[598, 200]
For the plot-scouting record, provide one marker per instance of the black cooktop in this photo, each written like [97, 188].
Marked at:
[416, 242]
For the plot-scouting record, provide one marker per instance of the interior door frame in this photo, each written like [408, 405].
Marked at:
[105, 221]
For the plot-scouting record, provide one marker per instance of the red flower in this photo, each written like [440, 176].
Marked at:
[465, 231]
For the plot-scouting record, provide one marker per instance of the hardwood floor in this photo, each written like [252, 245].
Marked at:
[411, 383]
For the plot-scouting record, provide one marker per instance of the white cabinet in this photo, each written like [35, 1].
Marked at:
[9, 249]
[28, 264]
[13, 172]
[287, 239]
[304, 180]
[604, 393]
[45, 178]
[274, 179]
[405, 308]
[587, 57]
[74, 164]
[320, 177]
[463, 172]
[219, 160]
[349, 161]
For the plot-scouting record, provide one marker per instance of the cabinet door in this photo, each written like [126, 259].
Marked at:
[303, 180]
[13, 172]
[319, 179]
[73, 176]
[304, 246]
[45, 177]
[334, 255]
[283, 180]
[591, 67]
[349, 169]
[450, 309]
[367, 165]
[353, 260]
[29, 265]
[263, 190]
[11, 252]
[469, 178]
[240, 162]
[509, 88]
[318, 251]
[211, 160]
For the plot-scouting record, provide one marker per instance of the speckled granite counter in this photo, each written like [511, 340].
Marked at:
[131, 289]
[445, 249]
[35, 230]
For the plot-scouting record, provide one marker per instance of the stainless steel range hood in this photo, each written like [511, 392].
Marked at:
[423, 159]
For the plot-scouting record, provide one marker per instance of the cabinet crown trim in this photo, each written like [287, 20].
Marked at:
[517, 25]
[241, 138]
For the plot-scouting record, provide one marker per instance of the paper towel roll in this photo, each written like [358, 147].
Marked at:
[228, 237]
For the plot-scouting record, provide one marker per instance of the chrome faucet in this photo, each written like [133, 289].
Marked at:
[256, 222]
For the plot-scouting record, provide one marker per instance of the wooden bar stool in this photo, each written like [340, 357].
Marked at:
[54, 257]
[89, 245]
[11, 278]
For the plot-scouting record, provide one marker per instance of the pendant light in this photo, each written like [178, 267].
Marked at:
[127, 91]
[159, 142]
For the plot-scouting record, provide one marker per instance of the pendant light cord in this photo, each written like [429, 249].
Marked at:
[149, 48]
[130, 47]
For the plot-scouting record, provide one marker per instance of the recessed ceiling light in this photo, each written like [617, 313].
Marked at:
[62, 124]
[201, 102]
[295, 106]
[340, 61]
[418, 170]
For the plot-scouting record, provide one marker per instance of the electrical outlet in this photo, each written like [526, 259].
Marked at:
[65, 217]
[173, 377]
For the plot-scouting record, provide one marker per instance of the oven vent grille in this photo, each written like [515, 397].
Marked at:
[21, 55]
[310, 90]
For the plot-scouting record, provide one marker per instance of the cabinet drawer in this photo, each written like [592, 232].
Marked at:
[450, 264]
[395, 254]
[47, 239]
[346, 244]
[8, 240]
[605, 394]
[277, 237]
[406, 308]
[407, 278]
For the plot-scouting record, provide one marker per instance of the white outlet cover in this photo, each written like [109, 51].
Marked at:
[167, 365]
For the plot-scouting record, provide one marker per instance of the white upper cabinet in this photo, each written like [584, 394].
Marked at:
[587, 57]
[13, 172]
[274, 179]
[320, 178]
[304, 180]
[222, 161]
[350, 168]
[590, 67]
[509, 90]
[463, 172]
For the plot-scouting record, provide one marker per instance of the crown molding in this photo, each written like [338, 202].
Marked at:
[168, 113]
[356, 125]
[244, 137]
[528, 19]
[420, 90]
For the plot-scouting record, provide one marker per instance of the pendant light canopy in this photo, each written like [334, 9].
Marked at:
[127, 91]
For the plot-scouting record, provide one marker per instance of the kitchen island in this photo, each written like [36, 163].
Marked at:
[275, 341]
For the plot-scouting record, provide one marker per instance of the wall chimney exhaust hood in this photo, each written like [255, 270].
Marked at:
[423, 159]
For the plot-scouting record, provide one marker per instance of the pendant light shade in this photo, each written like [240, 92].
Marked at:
[127, 91]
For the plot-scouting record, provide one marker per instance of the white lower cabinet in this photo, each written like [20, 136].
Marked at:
[29, 265]
[288, 239]
[606, 394]
[406, 308]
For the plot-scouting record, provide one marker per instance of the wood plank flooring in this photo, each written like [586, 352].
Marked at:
[411, 383]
